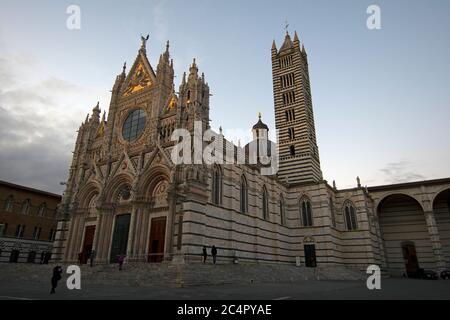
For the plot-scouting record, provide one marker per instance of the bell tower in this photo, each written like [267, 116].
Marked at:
[294, 119]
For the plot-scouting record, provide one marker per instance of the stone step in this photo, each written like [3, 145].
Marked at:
[194, 274]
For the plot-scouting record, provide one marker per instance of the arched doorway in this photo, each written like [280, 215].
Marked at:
[310, 252]
[122, 209]
[441, 209]
[158, 223]
[410, 258]
[405, 234]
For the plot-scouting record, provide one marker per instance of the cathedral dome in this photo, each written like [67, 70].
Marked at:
[260, 125]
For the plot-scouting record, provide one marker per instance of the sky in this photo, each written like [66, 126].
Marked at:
[381, 98]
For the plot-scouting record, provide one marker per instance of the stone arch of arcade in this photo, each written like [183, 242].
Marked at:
[441, 210]
[404, 231]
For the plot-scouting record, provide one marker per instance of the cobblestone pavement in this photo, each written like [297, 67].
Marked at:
[300, 290]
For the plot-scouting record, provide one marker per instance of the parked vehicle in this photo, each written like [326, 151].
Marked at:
[445, 274]
[430, 275]
[423, 274]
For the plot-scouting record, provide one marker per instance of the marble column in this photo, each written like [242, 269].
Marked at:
[168, 250]
[435, 240]
[105, 224]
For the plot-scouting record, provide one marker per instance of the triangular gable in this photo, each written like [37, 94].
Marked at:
[158, 156]
[124, 165]
[141, 75]
[171, 105]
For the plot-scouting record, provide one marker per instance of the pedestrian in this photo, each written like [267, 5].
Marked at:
[92, 257]
[47, 257]
[214, 253]
[205, 254]
[121, 260]
[55, 278]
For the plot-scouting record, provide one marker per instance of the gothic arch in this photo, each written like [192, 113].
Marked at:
[115, 185]
[282, 209]
[151, 178]
[265, 203]
[350, 214]
[86, 194]
[243, 194]
[216, 184]
[305, 210]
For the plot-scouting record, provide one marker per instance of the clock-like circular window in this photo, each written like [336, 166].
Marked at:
[134, 125]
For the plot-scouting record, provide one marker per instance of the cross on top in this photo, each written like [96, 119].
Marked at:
[286, 25]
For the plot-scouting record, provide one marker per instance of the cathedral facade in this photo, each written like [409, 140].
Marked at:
[125, 195]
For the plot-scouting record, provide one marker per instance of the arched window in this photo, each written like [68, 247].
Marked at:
[265, 204]
[216, 189]
[292, 150]
[282, 211]
[42, 209]
[244, 195]
[350, 216]
[333, 217]
[291, 133]
[9, 204]
[25, 207]
[124, 194]
[306, 212]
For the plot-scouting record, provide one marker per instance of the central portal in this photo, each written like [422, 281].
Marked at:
[120, 237]
[157, 238]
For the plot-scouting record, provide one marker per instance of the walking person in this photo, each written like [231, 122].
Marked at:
[121, 259]
[92, 257]
[55, 278]
[205, 254]
[214, 253]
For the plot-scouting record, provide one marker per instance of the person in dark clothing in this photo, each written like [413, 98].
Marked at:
[214, 253]
[120, 260]
[205, 254]
[55, 278]
[47, 257]
[92, 257]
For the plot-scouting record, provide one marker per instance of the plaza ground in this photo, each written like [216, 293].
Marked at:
[298, 290]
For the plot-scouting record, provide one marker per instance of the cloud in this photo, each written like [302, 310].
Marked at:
[39, 119]
[399, 172]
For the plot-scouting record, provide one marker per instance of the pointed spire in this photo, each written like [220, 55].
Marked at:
[124, 68]
[96, 108]
[287, 44]
[104, 116]
[303, 49]
[87, 118]
[193, 70]
[296, 37]
[96, 112]
[167, 46]
[274, 45]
